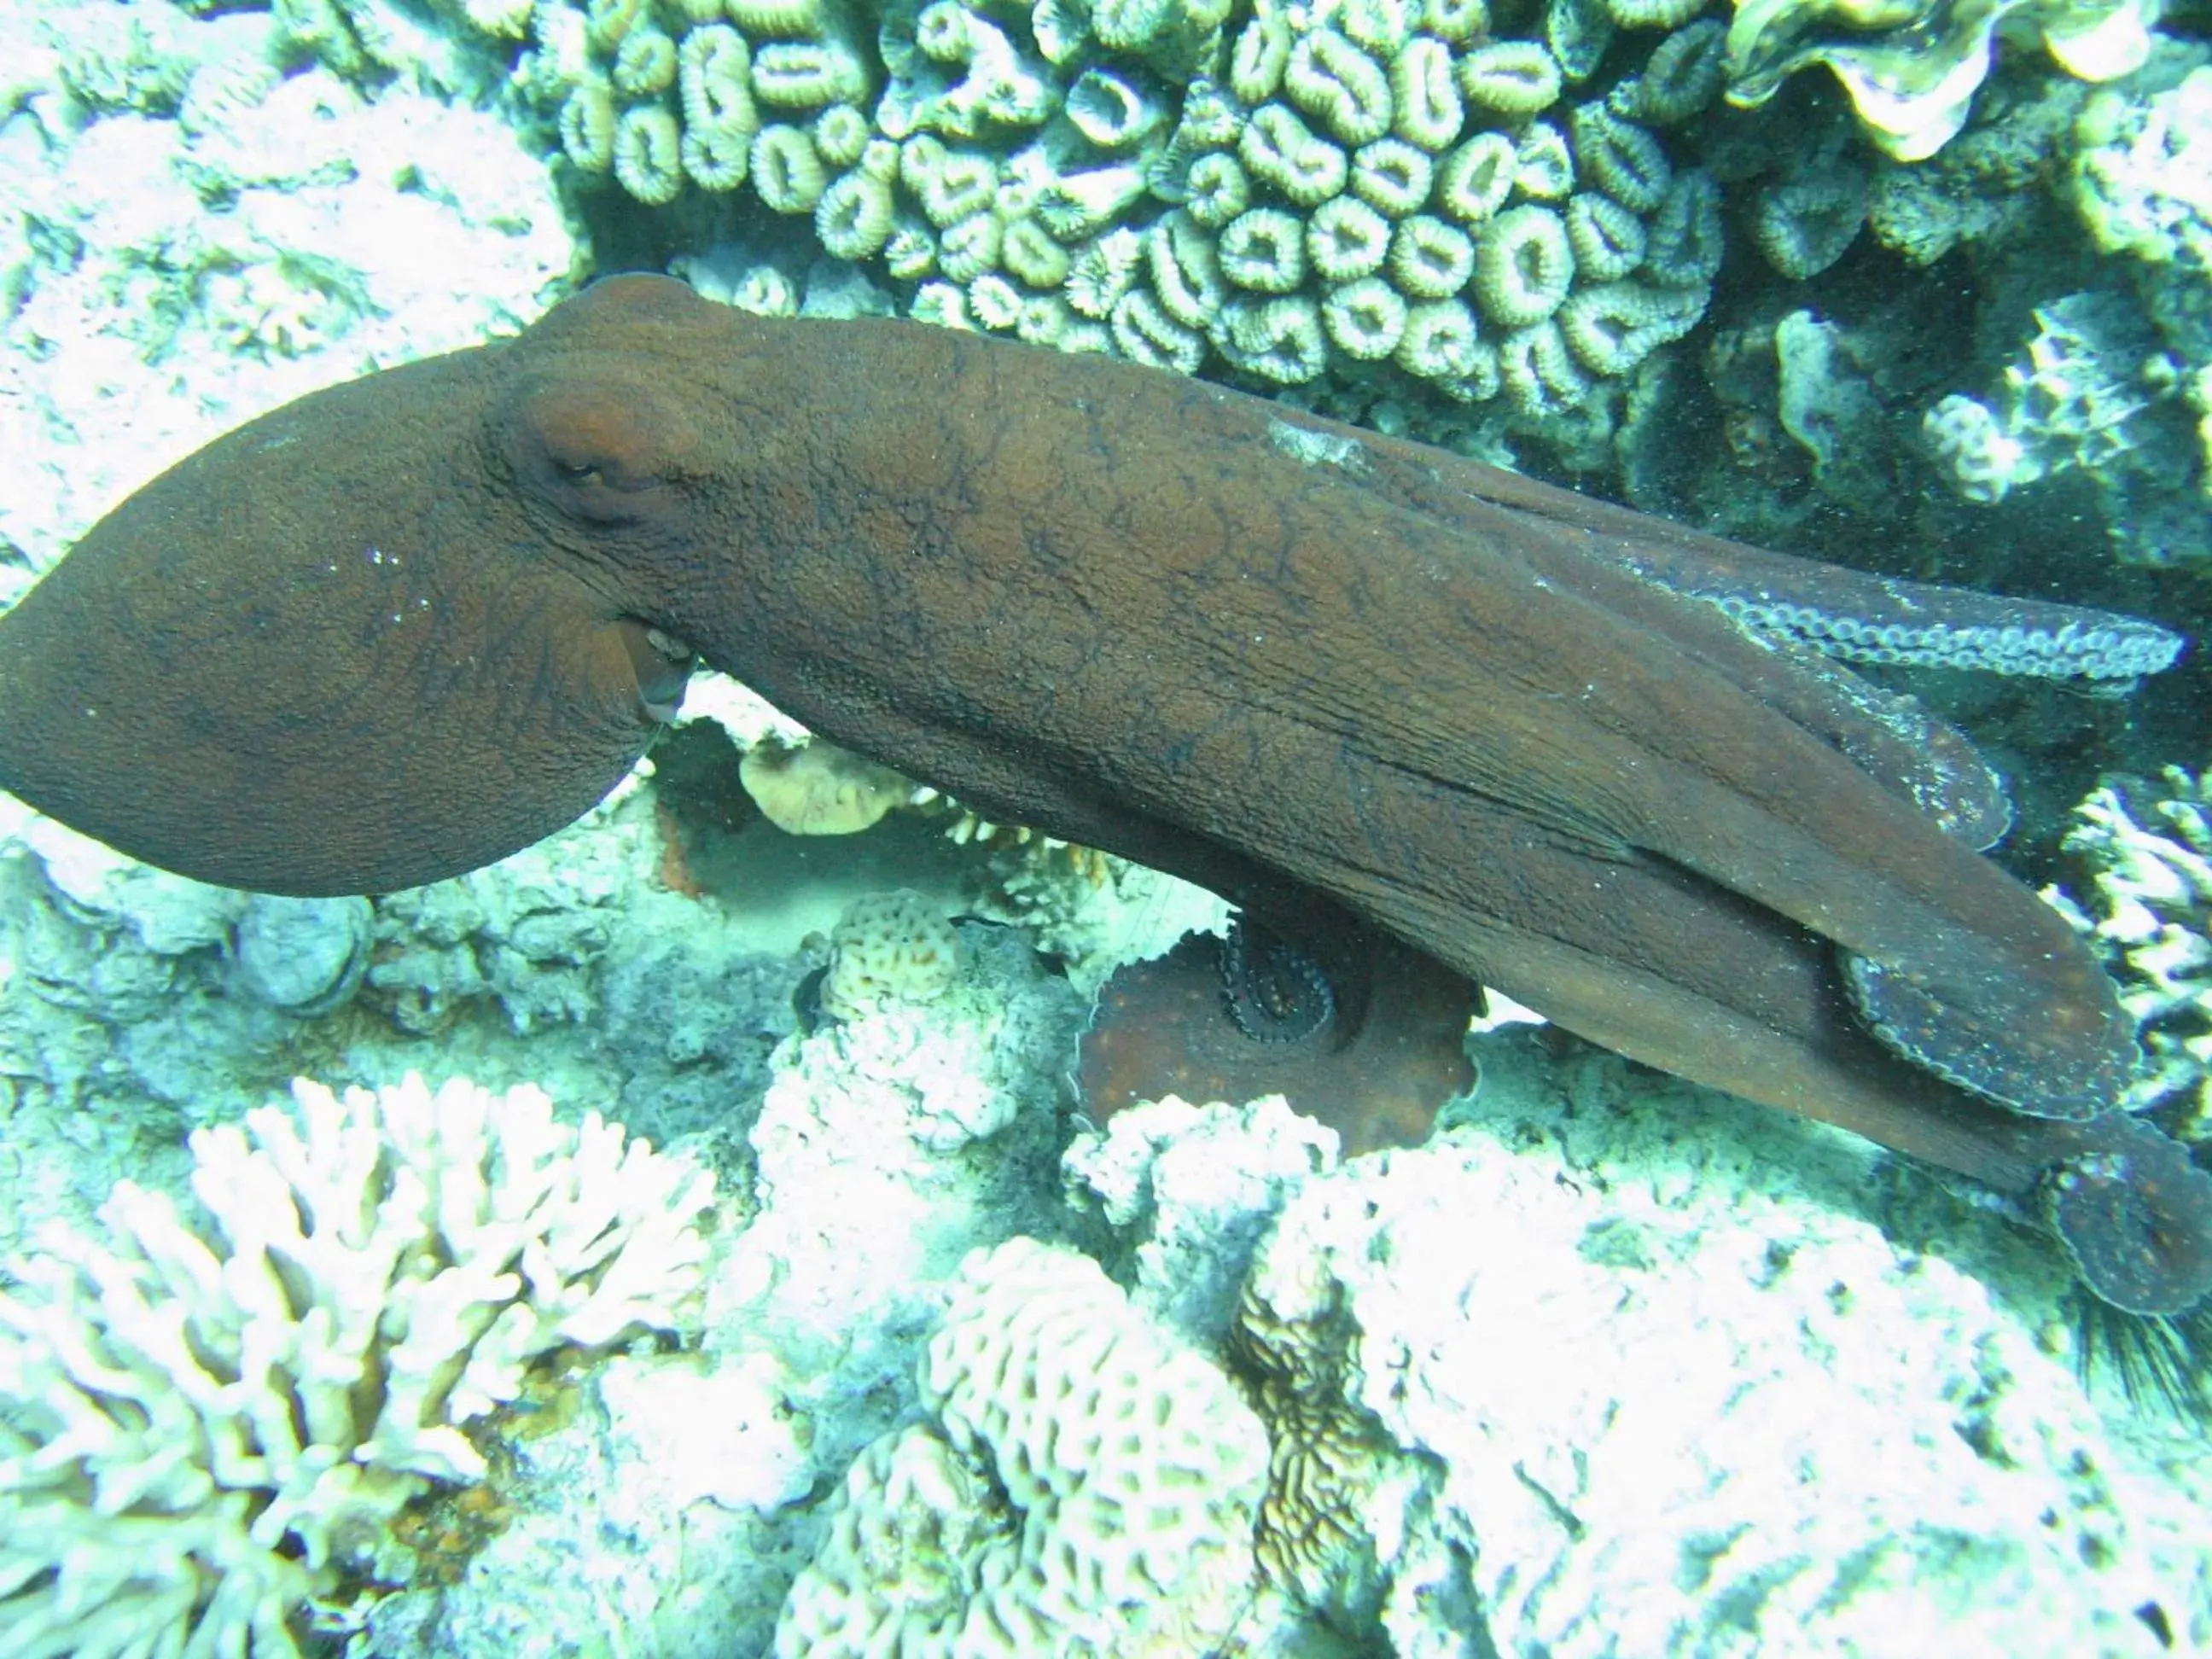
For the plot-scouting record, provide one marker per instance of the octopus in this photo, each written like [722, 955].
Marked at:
[1380, 697]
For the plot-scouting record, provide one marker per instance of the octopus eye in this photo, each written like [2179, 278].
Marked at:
[600, 448]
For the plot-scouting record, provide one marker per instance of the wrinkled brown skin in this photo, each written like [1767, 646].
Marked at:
[397, 629]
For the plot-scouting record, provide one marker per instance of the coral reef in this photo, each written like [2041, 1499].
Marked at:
[2146, 850]
[819, 789]
[204, 1426]
[1827, 402]
[673, 1520]
[647, 1504]
[2141, 183]
[358, 228]
[1364, 198]
[2094, 369]
[2093, 393]
[1614, 1509]
[922, 1031]
[1195, 1187]
[1734, 1383]
[527, 933]
[1912, 69]
[2060, 407]
[1087, 1486]
[1990, 186]
[888, 951]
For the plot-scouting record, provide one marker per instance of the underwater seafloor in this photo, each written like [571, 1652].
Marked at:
[1610, 1365]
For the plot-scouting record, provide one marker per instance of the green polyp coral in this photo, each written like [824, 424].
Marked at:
[1543, 166]
[1442, 344]
[1280, 150]
[786, 170]
[854, 217]
[1510, 78]
[1428, 258]
[1365, 320]
[1805, 222]
[1525, 266]
[646, 158]
[1367, 189]
[1276, 341]
[1682, 77]
[956, 74]
[1475, 178]
[1263, 251]
[1613, 326]
[1392, 176]
[1912, 67]
[1608, 240]
[1425, 93]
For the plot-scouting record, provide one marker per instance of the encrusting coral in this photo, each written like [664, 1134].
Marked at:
[2060, 407]
[819, 789]
[1461, 1420]
[206, 1428]
[1087, 1487]
[2092, 393]
[2142, 185]
[1912, 67]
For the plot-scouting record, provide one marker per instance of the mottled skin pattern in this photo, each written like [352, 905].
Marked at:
[399, 628]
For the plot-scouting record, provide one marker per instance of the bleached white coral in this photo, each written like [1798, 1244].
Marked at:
[2148, 853]
[2068, 402]
[1594, 1399]
[889, 950]
[1089, 1487]
[1970, 442]
[202, 1425]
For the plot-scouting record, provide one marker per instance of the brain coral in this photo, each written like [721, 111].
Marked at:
[204, 1427]
[1087, 1487]
[889, 949]
[1374, 196]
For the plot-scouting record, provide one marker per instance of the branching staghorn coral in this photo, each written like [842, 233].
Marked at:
[205, 1427]
[2146, 851]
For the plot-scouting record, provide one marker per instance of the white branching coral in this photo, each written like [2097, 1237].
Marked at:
[202, 1427]
[2148, 851]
